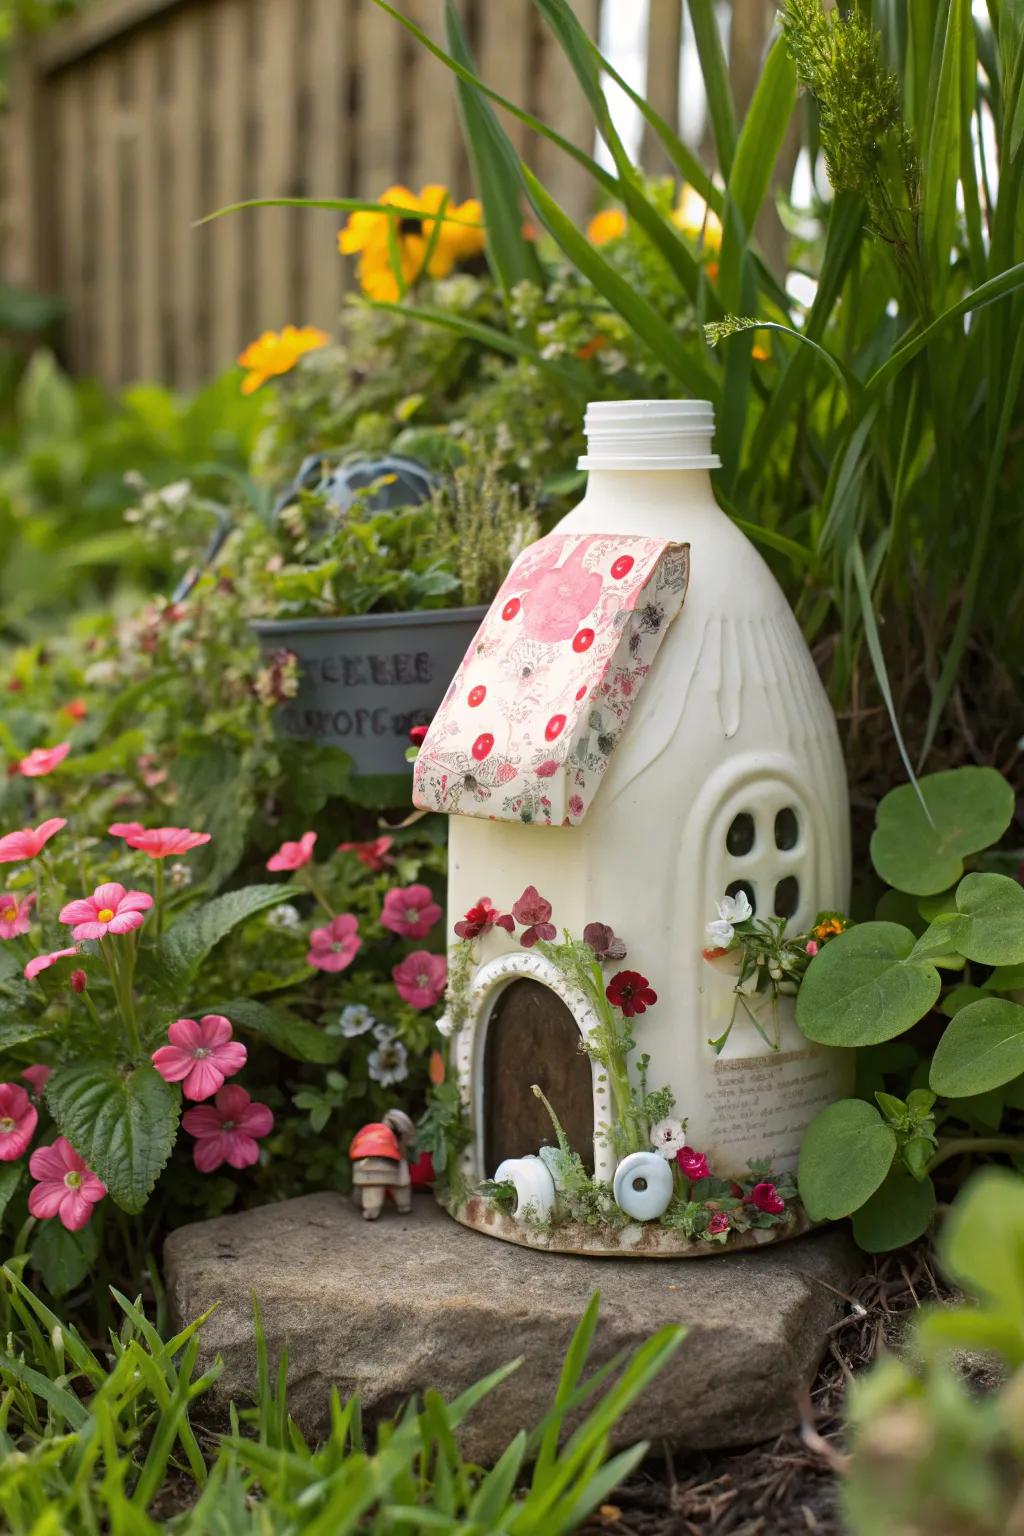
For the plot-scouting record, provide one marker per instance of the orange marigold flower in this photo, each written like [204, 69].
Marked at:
[607, 225]
[277, 352]
[391, 262]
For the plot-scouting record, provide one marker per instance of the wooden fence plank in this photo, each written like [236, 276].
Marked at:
[435, 139]
[147, 231]
[224, 240]
[277, 138]
[379, 90]
[109, 293]
[559, 100]
[327, 46]
[70, 250]
[664, 53]
[185, 194]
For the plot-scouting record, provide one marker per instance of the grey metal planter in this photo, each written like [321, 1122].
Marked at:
[365, 681]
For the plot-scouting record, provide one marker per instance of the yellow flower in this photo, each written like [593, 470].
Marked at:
[366, 235]
[277, 352]
[607, 225]
[693, 216]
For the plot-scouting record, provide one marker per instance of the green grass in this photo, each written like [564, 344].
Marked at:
[98, 1439]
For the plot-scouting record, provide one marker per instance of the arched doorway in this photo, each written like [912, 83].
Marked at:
[532, 1037]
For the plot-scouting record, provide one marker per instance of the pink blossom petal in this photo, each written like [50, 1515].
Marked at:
[255, 1120]
[135, 901]
[110, 894]
[202, 1122]
[75, 1211]
[230, 1057]
[203, 1080]
[214, 1030]
[44, 1200]
[232, 1102]
[124, 922]
[210, 1152]
[80, 911]
[173, 1063]
[241, 1151]
[185, 1033]
[89, 930]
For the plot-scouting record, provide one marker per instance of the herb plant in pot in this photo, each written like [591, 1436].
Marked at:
[378, 585]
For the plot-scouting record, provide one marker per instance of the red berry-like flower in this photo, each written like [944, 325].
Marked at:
[630, 992]
[418, 734]
[481, 917]
[765, 1197]
[718, 1222]
[694, 1165]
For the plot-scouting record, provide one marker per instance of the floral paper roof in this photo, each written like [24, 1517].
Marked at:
[535, 710]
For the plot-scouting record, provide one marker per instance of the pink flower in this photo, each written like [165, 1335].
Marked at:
[66, 1186]
[811, 948]
[18, 1120]
[410, 911]
[79, 981]
[25, 844]
[226, 1130]
[125, 828]
[160, 842]
[421, 978]
[293, 855]
[765, 1197]
[14, 916]
[481, 917]
[43, 962]
[375, 855]
[534, 913]
[42, 760]
[110, 909]
[335, 947]
[694, 1165]
[717, 1223]
[200, 1056]
[37, 1077]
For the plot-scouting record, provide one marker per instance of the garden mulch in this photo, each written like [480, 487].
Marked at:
[787, 1486]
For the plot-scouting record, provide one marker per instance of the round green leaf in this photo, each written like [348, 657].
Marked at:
[846, 1153]
[991, 926]
[897, 1213]
[982, 1048]
[122, 1122]
[970, 809]
[862, 988]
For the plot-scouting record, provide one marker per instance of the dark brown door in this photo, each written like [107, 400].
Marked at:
[532, 1037]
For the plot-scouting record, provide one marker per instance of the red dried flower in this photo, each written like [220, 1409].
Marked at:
[481, 917]
[534, 913]
[631, 992]
[603, 942]
[719, 1222]
[765, 1197]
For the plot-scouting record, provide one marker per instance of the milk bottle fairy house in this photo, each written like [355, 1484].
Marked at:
[636, 732]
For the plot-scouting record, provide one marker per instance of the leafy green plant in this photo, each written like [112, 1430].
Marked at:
[90, 1445]
[928, 1453]
[958, 948]
[881, 425]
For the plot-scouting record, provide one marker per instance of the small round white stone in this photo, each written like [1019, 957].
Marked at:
[643, 1185]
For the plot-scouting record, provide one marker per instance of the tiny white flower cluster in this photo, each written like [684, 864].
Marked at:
[731, 910]
[285, 917]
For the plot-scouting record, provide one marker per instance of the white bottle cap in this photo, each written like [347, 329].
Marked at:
[649, 434]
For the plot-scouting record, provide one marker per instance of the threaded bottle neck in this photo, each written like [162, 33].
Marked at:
[649, 434]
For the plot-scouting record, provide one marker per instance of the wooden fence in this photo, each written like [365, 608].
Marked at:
[132, 121]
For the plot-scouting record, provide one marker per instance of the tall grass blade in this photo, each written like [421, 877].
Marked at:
[715, 71]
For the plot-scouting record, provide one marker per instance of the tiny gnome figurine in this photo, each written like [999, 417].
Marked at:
[380, 1154]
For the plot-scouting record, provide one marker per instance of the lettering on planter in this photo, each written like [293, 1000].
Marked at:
[397, 668]
[339, 723]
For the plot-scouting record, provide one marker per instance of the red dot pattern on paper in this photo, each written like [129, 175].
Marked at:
[581, 693]
[482, 746]
[622, 566]
[554, 727]
[583, 640]
[476, 695]
[511, 608]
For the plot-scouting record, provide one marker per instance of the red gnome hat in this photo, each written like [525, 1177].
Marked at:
[375, 1140]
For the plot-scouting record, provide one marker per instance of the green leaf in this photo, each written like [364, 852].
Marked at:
[897, 1213]
[10, 1178]
[495, 172]
[983, 1240]
[642, 318]
[179, 955]
[63, 1258]
[847, 1151]
[1005, 978]
[123, 1123]
[764, 128]
[982, 1048]
[990, 928]
[942, 158]
[970, 808]
[286, 1032]
[16, 1027]
[864, 987]
[715, 71]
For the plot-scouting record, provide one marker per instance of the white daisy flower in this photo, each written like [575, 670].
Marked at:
[286, 917]
[668, 1138]
[389, 1062]
[355, 1019]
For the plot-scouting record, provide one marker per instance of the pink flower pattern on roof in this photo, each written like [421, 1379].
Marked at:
[544, 692]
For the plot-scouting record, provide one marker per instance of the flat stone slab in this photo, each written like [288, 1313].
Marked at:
[391, 1307]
